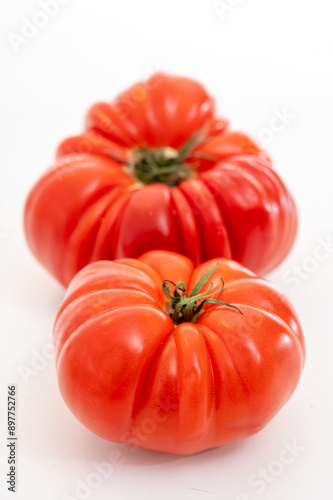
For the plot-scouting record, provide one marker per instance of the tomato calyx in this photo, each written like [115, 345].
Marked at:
[165, 164]
[184, 307]
[160, 165]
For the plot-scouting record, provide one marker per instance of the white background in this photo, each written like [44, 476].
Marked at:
[255, 57]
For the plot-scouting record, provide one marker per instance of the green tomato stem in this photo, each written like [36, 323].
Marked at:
[165, 164]
[184, 307]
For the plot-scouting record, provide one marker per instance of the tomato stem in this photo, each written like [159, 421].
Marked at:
[165, 164]
[184, 307]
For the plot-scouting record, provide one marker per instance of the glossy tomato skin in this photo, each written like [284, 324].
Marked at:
[130, 375]
[88, 207]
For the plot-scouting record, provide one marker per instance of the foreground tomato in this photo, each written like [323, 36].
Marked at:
[157, 169]
[202, 377]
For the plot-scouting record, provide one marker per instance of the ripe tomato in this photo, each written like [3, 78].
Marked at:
[157, 169]
[172, 375]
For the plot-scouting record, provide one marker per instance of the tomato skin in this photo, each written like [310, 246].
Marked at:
[130, 375]
[88, 207]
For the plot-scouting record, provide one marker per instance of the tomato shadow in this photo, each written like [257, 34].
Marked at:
[122, 454]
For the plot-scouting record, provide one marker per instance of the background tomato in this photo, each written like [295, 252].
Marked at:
[129, 374]
[157, 169]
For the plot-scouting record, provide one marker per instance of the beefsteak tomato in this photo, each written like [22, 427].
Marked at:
[144, 357]
[157, 169]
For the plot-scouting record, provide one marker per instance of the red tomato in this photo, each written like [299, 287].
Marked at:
[157, 169]
[130, 373]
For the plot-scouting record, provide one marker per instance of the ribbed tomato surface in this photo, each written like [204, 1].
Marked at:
[129, 374]
[223, 200]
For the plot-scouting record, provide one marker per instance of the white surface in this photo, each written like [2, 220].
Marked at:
[258, 57]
